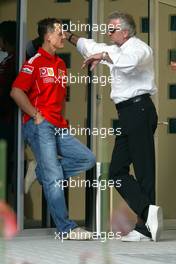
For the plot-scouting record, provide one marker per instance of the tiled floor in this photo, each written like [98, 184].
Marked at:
[42, 249]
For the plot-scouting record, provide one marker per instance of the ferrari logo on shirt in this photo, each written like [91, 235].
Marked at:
[46, 72]
[61, 73]
[61, 77]
[50, 71]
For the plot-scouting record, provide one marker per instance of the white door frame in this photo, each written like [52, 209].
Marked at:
[22, 14]
[154, 43]
[154, 33]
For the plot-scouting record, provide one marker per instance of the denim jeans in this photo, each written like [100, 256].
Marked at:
[46, 145]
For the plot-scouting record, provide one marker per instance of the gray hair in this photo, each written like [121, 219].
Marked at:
[127, 22]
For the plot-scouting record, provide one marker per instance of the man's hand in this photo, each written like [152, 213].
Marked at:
[72, 38]
[173, 65]
[67, 34]
[93, 60]
[38, 118]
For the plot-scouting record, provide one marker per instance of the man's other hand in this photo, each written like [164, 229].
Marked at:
[93, 60]
[38, 119]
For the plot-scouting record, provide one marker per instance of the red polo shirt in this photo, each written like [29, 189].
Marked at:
[42, 79]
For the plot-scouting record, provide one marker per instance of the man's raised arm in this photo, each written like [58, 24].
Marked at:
[92, 51]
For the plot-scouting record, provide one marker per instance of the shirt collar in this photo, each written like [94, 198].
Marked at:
[127, 43]
[47, 55]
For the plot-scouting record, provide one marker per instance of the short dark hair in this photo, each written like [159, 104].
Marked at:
[8, 32]
[127, 22]
[46, 25]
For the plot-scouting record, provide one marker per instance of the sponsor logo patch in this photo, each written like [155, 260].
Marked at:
[27, 69]
[43, 72]
[48, 80]
[46, 72]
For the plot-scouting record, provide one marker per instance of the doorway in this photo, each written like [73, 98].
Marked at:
[163, 41]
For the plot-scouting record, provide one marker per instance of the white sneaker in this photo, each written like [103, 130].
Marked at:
[155, 221]
[135, 236]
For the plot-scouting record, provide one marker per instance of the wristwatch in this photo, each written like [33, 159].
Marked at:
[69, 39]
[104, 54]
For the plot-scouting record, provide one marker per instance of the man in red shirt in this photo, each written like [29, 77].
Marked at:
[39, 90]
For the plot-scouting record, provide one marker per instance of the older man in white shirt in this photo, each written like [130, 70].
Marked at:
[130, 61]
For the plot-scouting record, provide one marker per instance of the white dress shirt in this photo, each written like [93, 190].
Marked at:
[132, 68]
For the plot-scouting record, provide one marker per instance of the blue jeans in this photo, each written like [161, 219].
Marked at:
[46, 145]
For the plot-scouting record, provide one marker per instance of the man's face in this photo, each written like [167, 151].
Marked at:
[57, 37]
[115, 33]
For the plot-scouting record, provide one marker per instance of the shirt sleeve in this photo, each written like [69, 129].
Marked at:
[25, 77]
[126, 61]
[88, 47]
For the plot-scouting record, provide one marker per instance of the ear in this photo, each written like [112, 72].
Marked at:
[47, 37]
[126, 33]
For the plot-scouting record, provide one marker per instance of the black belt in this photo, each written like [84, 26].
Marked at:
[133, 100]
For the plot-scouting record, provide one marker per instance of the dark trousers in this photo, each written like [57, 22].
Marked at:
[135, 145]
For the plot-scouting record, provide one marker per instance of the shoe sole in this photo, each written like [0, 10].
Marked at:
[141, 240]
[156, 234]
